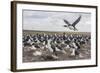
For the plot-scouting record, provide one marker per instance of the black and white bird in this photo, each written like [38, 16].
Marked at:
[73, 24]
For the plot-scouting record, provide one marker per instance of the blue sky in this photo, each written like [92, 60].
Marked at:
[53, 21]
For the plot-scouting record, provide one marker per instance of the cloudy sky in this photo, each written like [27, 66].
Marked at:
[53, 21]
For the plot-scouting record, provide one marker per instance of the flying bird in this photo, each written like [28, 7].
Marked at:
[73, 24]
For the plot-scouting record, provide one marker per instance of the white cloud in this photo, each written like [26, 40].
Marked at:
[53, 21]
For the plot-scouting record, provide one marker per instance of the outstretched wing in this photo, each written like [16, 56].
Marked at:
[67, 22]
[79, 18]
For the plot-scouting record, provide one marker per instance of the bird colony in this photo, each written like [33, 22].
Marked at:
[41, 46]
